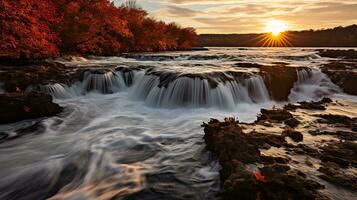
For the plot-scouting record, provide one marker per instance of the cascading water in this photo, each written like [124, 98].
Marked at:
[312, 85]
[102, 82]
[197, 92]
[57, 90]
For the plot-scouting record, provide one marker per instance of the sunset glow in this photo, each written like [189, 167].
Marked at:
[275, 27]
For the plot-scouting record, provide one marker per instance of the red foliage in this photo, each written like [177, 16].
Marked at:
[93, 27]
[30, 29]
[27, 29]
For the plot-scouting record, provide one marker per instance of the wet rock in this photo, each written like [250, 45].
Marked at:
[236, 149]
[342, 153]
[20, 106]
[292, 122]
[294, 135]
[333, 174]
[247, 65]
[302, 149]
[331, 53]
[199, 49]
[343, 135]
[18, 78]
[280, 80]
[338, 120]
[275, 115]
[343, 74]
[319, 105]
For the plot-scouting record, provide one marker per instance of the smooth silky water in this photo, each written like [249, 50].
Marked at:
[139, 140]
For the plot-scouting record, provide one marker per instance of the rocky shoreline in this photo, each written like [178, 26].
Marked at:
[260, 160]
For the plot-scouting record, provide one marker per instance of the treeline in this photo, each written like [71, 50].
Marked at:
[335, 37]
[38, 29]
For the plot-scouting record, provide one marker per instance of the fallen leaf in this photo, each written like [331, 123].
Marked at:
[259, 176]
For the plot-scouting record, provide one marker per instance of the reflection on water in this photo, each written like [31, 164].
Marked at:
[119, 146]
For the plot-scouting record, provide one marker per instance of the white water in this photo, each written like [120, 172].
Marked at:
[312, 86]
[139, 140]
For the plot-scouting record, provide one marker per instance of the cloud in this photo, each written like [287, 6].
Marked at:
[247, 16]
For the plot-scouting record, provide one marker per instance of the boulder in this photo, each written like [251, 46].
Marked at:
[20, 106]
[280, 79]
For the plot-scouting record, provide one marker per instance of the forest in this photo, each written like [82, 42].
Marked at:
[334, 37]
[39, 29]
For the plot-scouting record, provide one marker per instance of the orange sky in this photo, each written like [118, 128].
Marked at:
[247, 16]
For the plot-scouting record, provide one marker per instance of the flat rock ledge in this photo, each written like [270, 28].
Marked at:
[262, 160]
[15, 107]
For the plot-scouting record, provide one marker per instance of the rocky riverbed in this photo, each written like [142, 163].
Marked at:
[300, 151]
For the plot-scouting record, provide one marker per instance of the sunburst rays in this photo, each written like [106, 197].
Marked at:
[273, 40]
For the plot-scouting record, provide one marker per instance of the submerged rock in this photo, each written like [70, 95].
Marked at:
[20, 106]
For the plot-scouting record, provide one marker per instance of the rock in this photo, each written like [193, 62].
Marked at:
[339, 120]
[20, 106]
[343, 135]
[292, 122]
[333, 174]
[247, 65]
[319, 105]
[280, 79]
[294, 135]
[342, 153]
[343, 73]
[235, 149]
[275, 115]
[199, 49]
[18, 78]
[331, 53]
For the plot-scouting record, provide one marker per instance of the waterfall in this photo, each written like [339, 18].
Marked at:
[102, 82]
[197, 92]
[56, 90]
[127, 76]
[312, 85]
[257, 89]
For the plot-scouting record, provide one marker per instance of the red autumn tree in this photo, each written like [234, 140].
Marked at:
[152, 35]
[187, 38]
[93, 27]
[27, 29]
[35, 29]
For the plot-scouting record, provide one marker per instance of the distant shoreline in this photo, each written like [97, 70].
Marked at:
[336, 37]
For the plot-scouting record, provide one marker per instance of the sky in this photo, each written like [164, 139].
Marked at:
[247, 16]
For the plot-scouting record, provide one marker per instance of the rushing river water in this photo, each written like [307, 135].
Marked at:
[144, 140]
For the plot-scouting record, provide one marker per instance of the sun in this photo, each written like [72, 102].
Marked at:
[275, 27]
